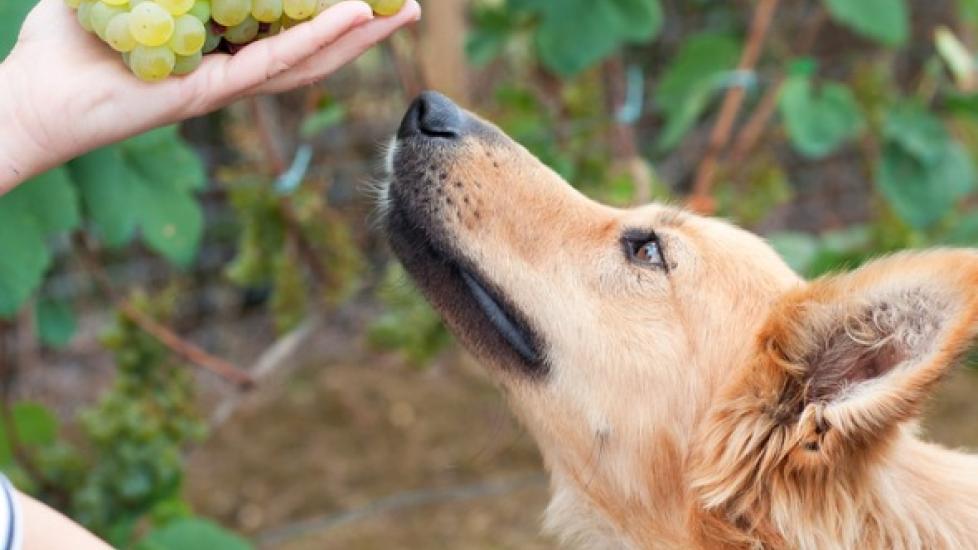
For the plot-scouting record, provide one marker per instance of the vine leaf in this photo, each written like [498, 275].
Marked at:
[39, 208]
[55, 321]
[575, 34]
[35, 424]
[144, 183]
[12, 14]
[818, 120]
[193, 534]
[921, 193]
[691, 80]
[886, 21]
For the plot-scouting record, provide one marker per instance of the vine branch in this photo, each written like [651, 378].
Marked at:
[165, 335]
[701, 200]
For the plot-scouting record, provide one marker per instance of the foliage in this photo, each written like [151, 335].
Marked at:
[883, 20]
[269, 248]
[126, 475]
[192, 534]
[408, 324]
[818, 119]
[568, 43]
[146, 183]
[693, 77]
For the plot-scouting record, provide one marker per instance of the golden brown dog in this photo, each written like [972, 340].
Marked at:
[686, 388]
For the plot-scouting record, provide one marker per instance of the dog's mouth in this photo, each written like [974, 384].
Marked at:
[511, 331]
[476, 310]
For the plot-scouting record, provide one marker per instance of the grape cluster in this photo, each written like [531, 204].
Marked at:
[159, 38]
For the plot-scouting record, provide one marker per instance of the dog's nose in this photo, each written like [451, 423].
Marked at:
[432, 115]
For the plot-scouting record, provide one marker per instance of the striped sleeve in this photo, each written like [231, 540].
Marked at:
[10, 517]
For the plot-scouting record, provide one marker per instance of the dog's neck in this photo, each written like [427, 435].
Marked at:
[918, 496]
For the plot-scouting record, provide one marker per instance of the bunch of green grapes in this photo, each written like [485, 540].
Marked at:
[159, 38]
[138, 431]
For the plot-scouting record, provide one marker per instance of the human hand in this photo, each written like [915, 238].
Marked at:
[63, 92]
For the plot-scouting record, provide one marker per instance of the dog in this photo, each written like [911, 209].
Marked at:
[685, 387]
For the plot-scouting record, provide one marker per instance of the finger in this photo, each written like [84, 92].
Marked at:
[345, 49]
[221, 78]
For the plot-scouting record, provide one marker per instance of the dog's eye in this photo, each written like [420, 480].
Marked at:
[646, 251]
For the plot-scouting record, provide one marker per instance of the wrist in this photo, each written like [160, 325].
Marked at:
[21, 154]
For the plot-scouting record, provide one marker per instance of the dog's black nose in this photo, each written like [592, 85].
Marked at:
[432, 115]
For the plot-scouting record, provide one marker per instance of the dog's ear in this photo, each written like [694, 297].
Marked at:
[859, 353]
[841, 363]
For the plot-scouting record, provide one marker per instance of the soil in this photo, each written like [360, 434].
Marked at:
[361, 451]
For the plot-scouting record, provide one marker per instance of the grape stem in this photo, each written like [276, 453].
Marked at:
[165, 335]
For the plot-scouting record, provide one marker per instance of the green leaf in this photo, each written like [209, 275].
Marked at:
[820, 120]
[35, 424]
[492, 26]
[323, 119]
[689, 83]
[916, 130]
[886, 21]
[172, 222]
[193, 534]
[12, 14]
[107, 187]
[55, 322]
[575, 34]
[921, 193]
[48, 199]
[40, 207]
[161, 156]
[24, 258]
[146, 182]
[696, 65]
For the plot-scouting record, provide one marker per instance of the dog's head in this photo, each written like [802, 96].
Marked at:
[659, 357]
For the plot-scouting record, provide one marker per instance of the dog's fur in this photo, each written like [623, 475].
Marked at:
[718, 401]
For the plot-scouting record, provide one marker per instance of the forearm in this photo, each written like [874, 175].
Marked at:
[21, 156]
[46, 528]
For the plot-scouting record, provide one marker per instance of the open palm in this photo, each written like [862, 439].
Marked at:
[72, 93]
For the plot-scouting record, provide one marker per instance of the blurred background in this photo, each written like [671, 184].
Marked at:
[205, 343]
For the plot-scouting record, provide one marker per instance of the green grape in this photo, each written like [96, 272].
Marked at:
[187, 64]
[119, 3]
[386, 7]
[134, 3]
[125, 59]
[175, 7]
[201, 10]
[266, 11]
[287, 22]
[189, 35]
[243, 33]
[73, 4]
[84, 14]
[100, 16]
[212, 41]
[118, 35]
[152, 63]
[150, 24]
[230, 12]
[299, 10]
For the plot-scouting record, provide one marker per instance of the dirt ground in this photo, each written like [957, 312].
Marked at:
[361, 451]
